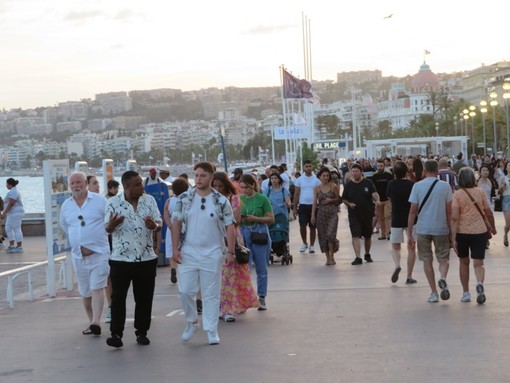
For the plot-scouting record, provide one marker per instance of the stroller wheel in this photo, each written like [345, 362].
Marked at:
[271, 259]
[290, 258]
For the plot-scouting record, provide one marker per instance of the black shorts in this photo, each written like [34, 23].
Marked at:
[474, 242]
[305, 215]
[360, 226]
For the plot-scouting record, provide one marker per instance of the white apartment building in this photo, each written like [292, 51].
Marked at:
[114, 102]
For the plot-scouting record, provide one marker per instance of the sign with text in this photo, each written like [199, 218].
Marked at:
[331, 145]
[293, 132]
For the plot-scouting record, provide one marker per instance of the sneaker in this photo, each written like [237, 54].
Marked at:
[480, 298]
[311, 250]
[212, 337]
[466, 297]
[410, 281]
[10, 249]
[108, 315]
[433, 298]
[199, 306]
[17, 249]
[262, 304]
[394, 276]
[445, 294]
[173, 275]
[303, 248]
[368, 258]
[114, 341]
[143, 340]
[357, 261]
[189, 331]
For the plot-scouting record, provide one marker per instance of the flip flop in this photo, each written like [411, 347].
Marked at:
[87, 331]
[95, 329]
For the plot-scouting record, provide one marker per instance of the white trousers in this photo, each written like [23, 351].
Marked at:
[13, 226]
[201, 272]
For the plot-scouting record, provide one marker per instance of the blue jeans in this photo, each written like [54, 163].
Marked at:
[259, 255]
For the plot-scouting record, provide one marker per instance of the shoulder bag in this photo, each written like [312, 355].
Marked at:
[242, 254]
[485, 220]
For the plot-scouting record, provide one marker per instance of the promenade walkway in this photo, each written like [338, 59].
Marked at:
[323, 324]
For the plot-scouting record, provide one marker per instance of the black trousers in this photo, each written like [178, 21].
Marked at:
[143, 276]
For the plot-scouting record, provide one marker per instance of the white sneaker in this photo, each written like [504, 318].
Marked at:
[466, 297]
[189, 331]
[311, 250]
[303, 248]
[212, 337]
[108, 315]
[433, 298]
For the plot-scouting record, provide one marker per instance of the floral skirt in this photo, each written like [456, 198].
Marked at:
[237, 293]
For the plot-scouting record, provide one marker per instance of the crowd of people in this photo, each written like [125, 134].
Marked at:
[438, 204]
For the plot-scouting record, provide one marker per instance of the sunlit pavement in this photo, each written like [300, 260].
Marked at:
[338, 323]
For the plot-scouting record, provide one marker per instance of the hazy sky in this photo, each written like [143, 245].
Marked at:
[60, 50]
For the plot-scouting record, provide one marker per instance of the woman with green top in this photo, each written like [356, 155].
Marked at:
[256, 215]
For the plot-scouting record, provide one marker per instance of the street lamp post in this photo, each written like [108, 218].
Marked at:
[455, 124]
[483, 109]
[506, 96]
[493, 103]
[472, 114]
[222, 136]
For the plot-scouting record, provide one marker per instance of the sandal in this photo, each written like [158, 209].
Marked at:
[95, 329]
[505, 240]
[87, 331]
[230, 318]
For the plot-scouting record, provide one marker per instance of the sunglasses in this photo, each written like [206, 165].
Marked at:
[80, 217]
[203, 203]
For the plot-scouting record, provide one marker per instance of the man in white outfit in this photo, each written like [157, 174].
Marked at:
[82, 217]
[203, 218]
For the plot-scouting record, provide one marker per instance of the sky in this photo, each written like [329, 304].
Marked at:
[66, 50]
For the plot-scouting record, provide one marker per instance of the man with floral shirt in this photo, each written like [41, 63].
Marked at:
[132, 217]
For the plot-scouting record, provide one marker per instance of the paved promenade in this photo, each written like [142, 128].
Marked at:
[323, 324]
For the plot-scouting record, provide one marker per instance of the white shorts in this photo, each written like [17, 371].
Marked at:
[91, 273]
[397, 234]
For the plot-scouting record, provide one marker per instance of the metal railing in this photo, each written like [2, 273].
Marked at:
[15, 273]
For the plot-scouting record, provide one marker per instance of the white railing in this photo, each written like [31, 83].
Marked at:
[15, 273]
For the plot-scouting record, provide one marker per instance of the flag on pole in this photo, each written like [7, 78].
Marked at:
[427, 52]
[294, 87]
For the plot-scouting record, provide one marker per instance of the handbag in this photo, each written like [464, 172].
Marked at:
[242, 254]
[259, 238]
[487, 224]
[498, 203]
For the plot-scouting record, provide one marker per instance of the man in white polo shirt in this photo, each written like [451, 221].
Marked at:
[303, 196]
[81, 218]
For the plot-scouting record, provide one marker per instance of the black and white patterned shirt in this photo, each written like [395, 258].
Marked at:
[132, 241]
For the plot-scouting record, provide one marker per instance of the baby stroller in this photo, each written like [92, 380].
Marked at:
[279, 232]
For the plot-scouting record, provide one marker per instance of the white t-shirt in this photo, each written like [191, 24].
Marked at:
[203, 235]
[306, 185]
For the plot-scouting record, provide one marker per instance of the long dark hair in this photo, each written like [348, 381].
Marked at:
[249, 180]
[223, 178]
[418, 168]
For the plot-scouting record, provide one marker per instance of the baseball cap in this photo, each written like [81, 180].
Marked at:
[152, 171]
[164, 168]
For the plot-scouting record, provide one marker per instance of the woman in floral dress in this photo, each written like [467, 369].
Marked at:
[237, 293]
[325, 214]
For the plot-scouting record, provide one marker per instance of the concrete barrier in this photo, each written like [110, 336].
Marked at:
[32, 225]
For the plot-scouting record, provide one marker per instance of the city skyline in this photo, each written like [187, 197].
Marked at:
[55, 50]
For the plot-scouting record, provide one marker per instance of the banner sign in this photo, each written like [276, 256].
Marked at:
[293, 132]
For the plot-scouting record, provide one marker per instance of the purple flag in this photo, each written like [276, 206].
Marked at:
[293, 87]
